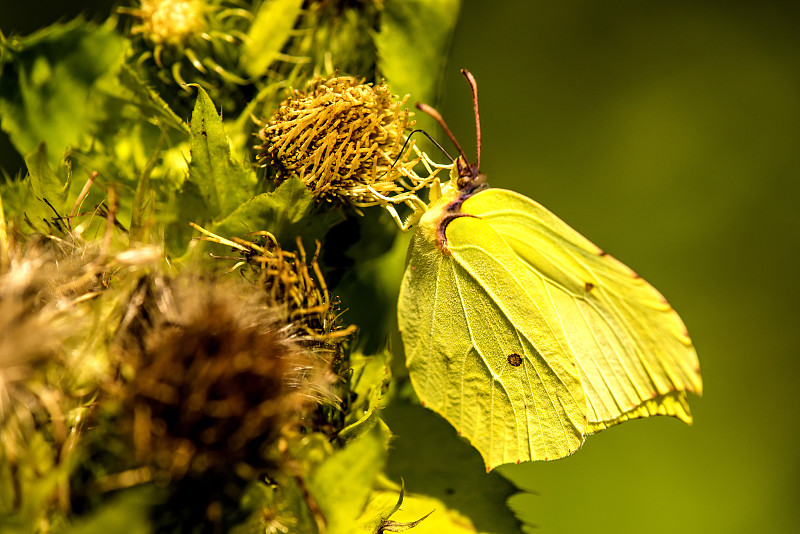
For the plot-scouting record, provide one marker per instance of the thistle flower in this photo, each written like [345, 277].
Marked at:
[170, 22]
[31, 336]
[294, 287]
[287, 280]
[42, 285]
[191, 41]
[211, 386]
[344, 139]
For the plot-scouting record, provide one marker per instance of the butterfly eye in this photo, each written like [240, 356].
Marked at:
[514, 359]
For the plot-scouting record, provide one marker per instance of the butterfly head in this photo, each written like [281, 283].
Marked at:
[470, 177]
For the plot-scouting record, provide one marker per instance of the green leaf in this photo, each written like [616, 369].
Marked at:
[268, 34]
[44, 183]
[189, 206]
[419, 514]
[452, 471]
[224, 185]
[412, 47]
[370, 380]
[128, 513]
[288, 212]
[41, 198]
[148, 100]
[342, 484]
[47, 79]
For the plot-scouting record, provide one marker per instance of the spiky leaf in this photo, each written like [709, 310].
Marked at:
[223, 183]
[288, 212]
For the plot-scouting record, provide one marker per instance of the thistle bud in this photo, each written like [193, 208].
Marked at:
[190, 41]
[170, 22]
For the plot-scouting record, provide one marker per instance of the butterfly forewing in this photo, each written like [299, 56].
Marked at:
[633, 353]
[480, 351]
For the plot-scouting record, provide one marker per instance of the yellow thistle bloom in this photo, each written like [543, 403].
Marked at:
[199, 32]
[170, 22]
[344, 139]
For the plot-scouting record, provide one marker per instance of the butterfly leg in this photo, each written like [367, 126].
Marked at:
[418, 208]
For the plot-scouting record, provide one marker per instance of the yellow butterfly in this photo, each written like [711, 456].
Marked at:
[523, 334]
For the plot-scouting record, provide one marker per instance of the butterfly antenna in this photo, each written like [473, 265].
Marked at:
[425, 108]
[474, 86]
[431, 139]
[408, 140]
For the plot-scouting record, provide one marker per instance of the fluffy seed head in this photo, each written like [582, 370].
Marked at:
[38, 288]
[214, 377]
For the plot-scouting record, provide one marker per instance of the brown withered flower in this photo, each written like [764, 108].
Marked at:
[293, 284]
[211, 377]
[344, 139]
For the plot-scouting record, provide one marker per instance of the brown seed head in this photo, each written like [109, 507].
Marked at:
[214, 377]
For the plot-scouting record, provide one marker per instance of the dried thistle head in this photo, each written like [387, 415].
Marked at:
[293, 286]
[213, 377]
[344, 139]
[296, 285]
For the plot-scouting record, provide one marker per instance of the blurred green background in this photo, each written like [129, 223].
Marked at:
[669, 134]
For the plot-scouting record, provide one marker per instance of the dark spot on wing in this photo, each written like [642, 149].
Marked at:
[589, 286]
[449, 491]
[514, 359]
